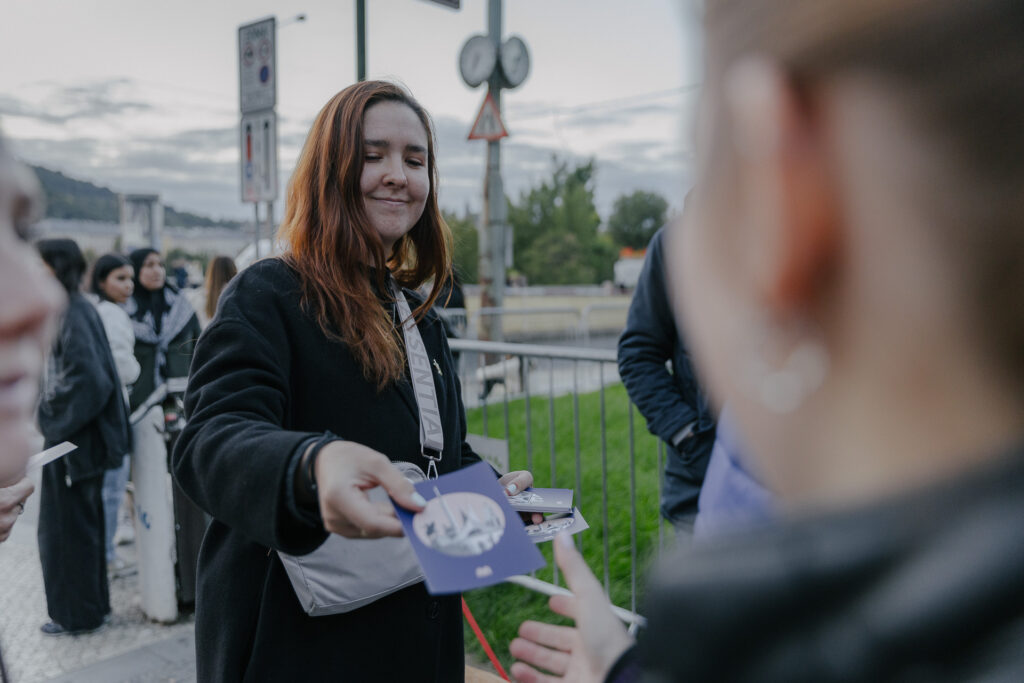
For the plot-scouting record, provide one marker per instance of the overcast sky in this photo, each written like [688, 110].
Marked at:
[142, 96]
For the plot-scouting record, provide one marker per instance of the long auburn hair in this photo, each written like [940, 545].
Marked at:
[337, 253]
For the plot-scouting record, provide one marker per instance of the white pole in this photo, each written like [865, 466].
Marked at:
[154, 518]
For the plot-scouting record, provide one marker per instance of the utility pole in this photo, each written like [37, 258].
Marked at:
[501, 65]
[492, 247]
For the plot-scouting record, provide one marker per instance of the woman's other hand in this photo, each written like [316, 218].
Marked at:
[345, 473]
[584, 653]
[517, 481]
[12, 504]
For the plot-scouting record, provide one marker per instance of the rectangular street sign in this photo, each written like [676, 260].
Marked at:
[257, 66]
[258, 136]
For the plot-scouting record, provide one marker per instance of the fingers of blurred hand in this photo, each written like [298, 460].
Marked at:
[564, 638]
[578, 576]
[524, 673]
[555, 661]
[566, 605]
[10, 496]
[517, 481]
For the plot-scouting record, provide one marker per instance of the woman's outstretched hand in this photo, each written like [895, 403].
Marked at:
[345, 473]
[585, 652]
[517, 481]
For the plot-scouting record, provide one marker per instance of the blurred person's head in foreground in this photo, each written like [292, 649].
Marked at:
[348, 220]
[113, 278]
[29, 303]
[848, 275]
[849, 271]
[218, 275]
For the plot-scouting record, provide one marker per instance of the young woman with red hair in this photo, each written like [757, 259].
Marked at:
[299, 400]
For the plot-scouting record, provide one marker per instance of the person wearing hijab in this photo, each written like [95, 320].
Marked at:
[165, 324]
[166, 329]
[82, 402]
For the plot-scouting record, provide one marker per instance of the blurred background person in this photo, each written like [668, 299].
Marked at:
[29, 303]
[165, 325]
[82, 402]
[218, 274]
[851, 283]
[166, 329]
[672, 401]
[112, 283]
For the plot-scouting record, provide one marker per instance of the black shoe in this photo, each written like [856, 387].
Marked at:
[52, 628]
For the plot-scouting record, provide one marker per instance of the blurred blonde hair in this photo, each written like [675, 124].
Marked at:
[956, 68]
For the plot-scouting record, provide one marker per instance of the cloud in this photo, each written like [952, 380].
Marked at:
[196, 169]
[61, 104]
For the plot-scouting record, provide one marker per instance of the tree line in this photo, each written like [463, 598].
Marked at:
[557, 235]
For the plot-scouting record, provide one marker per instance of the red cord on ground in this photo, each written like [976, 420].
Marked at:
[483, 641]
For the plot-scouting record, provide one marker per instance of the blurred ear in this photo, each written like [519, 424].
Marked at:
[787, 187]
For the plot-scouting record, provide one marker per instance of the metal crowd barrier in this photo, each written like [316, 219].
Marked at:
[494, 374]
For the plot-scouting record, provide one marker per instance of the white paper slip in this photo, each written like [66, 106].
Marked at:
[37, 461]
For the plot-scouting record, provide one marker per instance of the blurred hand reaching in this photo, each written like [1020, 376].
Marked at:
[582, 653]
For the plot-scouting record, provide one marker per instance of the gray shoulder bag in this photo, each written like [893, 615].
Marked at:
[344, 574]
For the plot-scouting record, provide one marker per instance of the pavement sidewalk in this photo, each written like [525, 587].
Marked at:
[130, 648]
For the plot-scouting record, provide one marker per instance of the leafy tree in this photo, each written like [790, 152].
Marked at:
[555, 233]
[636, 217]
[465, 245]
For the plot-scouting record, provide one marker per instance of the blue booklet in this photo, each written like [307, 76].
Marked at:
[467, 536]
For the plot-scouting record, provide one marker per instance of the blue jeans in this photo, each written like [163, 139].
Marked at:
[114, 483]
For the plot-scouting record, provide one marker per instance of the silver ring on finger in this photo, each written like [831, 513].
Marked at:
[21, 508]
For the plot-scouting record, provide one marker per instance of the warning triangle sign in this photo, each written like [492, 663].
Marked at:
[488, 124]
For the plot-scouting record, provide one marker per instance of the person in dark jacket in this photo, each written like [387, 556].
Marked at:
[672, 402]
[299, 399]
[851, 285]
[165, 324]
[82, 402]
[29, 303]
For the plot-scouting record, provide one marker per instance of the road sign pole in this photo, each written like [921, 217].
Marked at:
[492, 242]
[361, 40]
[256, 229]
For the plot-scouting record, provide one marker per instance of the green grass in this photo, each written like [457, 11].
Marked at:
[500, 609]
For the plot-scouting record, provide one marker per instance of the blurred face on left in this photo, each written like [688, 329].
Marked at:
[29, 303]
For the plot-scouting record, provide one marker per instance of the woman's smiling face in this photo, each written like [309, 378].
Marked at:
[395, 180]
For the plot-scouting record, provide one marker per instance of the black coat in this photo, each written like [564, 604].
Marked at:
[669, 401]
[264, 380]
[81, 400]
